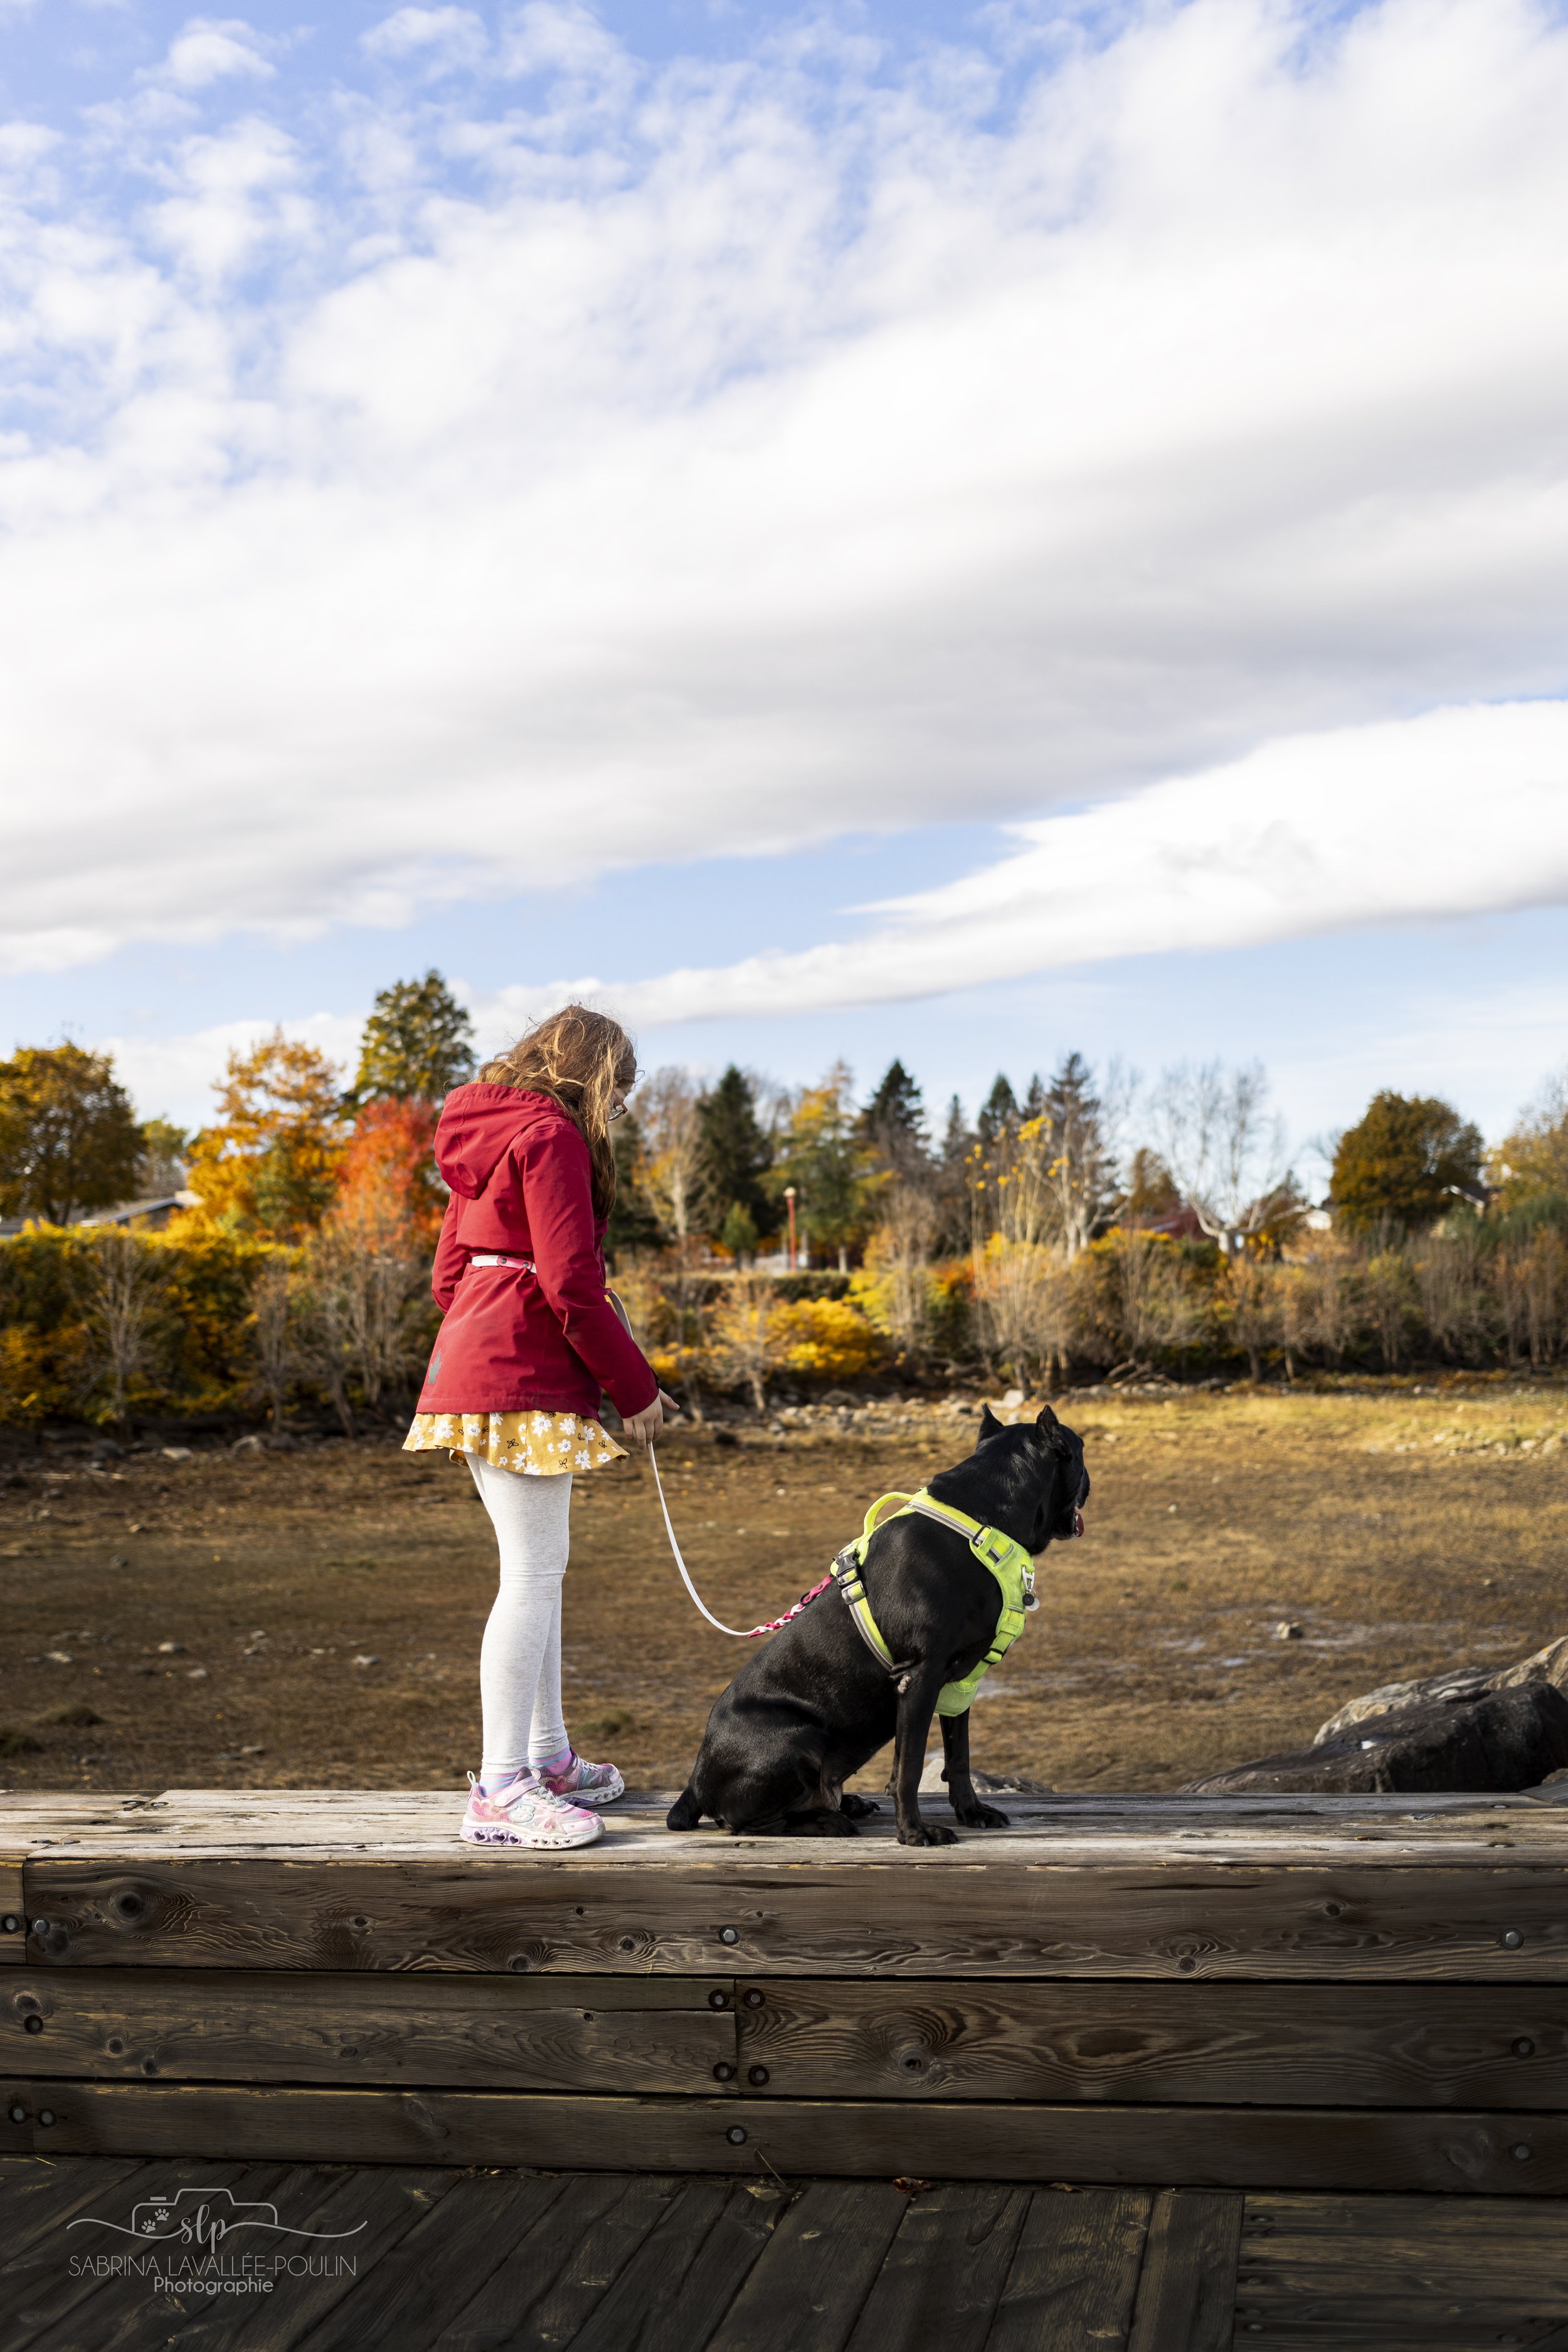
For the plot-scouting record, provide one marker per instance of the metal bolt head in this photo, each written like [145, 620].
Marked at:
[40, 1926]
[753, 1998]
[729, 1935]
[1511, 1939]
[12, 1924]
[1519, 2151]
[47, 2116]
[736, 2135]
[759, 2075]
[18, 2114]
[32, 2026]
[718, 2001]
[723, 2073]
[1524, 2047]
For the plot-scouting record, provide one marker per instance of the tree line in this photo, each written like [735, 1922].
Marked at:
[1083, 1221]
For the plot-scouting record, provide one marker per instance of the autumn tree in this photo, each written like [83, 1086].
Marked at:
[269, 1164]
[1532, 1163]
[161, 1163]
[823, 1153]
[418, 1045]
[893, 1124]
[68, 1136]
[1406, 1159]
[389, 1157]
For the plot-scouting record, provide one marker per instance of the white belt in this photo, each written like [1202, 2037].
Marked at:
[525, 1264]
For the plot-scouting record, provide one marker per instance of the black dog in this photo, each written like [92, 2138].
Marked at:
[813, 1707]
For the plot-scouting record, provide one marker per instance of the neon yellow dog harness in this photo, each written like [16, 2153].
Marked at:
[1009, 1563]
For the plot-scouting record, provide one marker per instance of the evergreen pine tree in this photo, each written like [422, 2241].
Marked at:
[417, 1043]
[894, 1121]
[999, 1111]
[735, 1155]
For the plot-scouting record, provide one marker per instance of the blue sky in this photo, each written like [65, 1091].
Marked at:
[962, 533]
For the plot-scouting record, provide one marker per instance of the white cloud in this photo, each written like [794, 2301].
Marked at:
[451, 37]
[208, 50]
[712, 458]
[1457, 813]
[173, 1076]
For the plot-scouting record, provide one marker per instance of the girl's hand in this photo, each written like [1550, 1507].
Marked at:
[645, 1426]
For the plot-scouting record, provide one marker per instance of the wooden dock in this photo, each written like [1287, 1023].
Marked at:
[1345, 1994]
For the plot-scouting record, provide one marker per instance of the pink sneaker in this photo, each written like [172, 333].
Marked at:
[525, 1812]
[586, 1784]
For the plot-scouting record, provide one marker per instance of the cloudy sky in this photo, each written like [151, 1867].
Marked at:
[849, 529]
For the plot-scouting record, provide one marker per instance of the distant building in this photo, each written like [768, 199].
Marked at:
[153, 1212]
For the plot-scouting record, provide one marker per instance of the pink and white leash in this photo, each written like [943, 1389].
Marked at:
[733, 1631]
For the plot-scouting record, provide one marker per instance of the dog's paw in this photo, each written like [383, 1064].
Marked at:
[928, 1833]
[859, 1807]
[980, 1817]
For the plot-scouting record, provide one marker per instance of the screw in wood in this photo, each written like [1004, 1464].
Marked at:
[1511, 1939]
[718, 2001]
[40, 1926]
[11, 1924]
[736, 2135]
[757, 2074]
[47, 2116]
[753, 2000]
[729, 1935]
[1524, 2047]
[1519, 2151]
[18, 2114]
[722, 2074]
[33, 2025]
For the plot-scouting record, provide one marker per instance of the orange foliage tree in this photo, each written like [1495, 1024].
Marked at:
[269, 1164]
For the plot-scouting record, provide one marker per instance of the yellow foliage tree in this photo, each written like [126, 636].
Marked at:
[269, 1164]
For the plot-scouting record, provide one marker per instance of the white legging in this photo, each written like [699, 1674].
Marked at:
[520, 1658]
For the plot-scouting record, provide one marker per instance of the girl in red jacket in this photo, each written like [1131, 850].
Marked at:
[529, 1341]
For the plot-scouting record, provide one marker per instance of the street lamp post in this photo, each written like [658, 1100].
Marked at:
[789, 1204]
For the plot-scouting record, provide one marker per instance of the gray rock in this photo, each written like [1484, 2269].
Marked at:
[1459, 1682]
[1502, 1740]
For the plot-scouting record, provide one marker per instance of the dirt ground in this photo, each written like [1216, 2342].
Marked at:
[312, 1617]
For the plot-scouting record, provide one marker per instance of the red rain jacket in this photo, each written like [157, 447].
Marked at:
[547, 1340]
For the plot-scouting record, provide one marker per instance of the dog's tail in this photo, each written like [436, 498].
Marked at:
[686, 1812]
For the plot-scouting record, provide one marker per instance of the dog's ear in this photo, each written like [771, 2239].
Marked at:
[989, 1424]
[1047, 1419]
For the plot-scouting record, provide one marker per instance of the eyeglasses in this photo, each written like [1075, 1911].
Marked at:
[617, 1110]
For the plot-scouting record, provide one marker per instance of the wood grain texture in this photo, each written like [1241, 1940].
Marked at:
[13, 1897]
[596, 2257]
[1264, 2045]
[1186, 2289]
[1074, 2275]
[687, 2272]
[546, 2249]
[36, 2200]
[944, 2274]
[568, 1913]
[407, 2294]
[1230, 2147]
[806, 2292]
[609, 2033]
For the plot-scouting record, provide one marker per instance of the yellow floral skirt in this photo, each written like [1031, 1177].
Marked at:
[539, 1445]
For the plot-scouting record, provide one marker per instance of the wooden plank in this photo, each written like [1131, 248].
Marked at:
[381, 2207]
[56, 2291]
[409, 2294]
[682, 2279]
[1075, 2272]
[1367, 2324]
[1265, 2045]
[806, 2291]
[596, 2255]
[1224, 2147]
[944, 2274]
[567, 1914]
[613, 2033]
[1186, 2290]
[35, 2200]
[12, 1917]
[538, 2252]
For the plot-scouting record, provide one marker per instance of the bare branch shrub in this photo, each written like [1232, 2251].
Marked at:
[1225, 1148]
[746, 1343]
[123, 1293]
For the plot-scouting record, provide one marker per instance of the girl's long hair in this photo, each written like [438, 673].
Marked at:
[578, 1058]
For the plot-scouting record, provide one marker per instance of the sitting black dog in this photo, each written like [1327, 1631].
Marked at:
[814, 1706]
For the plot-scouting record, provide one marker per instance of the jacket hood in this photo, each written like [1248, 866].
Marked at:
[479, 1124]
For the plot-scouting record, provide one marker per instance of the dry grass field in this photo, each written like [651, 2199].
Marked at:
[313, 1617]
